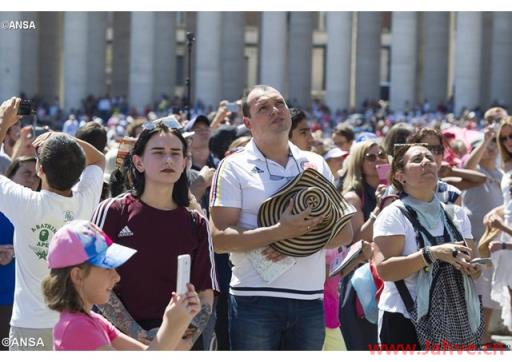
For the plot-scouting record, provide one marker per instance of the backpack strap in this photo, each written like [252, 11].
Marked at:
[400, 284]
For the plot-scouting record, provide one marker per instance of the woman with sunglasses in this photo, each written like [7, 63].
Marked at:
[422, 254]
[153, 218]
[456, 179]
[361, 188]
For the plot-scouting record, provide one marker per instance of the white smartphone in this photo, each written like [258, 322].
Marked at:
[183, 274]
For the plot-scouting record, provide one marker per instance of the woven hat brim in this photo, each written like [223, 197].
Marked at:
[271, 210]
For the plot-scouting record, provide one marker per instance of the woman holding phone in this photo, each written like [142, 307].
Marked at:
[153, 218]
[364, 189]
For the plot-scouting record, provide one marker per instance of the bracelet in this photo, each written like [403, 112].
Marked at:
[373, 216]
[427, 255]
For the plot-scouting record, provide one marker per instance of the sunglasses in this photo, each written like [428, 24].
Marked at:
[436, 149]
[372, 157]
[506, 138]
[169, 122]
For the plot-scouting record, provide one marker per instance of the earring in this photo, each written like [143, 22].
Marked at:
[404, 181]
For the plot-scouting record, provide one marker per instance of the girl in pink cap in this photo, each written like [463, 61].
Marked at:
[82, 260]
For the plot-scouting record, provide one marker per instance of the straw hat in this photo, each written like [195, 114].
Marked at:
[308, 188]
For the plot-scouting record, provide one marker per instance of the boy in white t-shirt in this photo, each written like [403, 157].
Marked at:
[71, 172]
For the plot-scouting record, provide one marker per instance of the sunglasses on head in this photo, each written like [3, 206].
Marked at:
[372, 157]
[436, 149]
[170, 122]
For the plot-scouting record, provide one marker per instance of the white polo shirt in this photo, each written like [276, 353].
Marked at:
[244, 180]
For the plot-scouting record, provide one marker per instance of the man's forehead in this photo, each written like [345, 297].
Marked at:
[262, 95]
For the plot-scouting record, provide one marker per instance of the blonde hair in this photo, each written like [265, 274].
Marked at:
[353, 166]
[504, 154]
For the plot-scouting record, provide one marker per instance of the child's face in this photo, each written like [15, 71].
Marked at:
[97, 285]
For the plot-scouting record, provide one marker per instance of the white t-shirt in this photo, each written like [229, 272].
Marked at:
[507, 203]
[36, 217]
[242, 181]
[391, 221]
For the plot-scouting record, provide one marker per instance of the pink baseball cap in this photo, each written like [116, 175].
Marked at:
[82, 241]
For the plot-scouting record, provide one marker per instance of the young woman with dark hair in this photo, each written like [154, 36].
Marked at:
[154, 219]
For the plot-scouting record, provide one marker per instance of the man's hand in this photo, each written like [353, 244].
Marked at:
[9, 112]
[292, 226]
[24, 145]
[6, 254]
[38, 142]
[206, 174]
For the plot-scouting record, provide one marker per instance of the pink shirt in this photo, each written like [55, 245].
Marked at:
[331, 295]
[81, 332]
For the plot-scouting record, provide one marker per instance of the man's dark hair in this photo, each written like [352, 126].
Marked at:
[245, 103]
[297, 115]
[94, 134]
[63, 161]
[345, 130]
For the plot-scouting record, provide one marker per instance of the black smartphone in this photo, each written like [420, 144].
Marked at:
[25, 108]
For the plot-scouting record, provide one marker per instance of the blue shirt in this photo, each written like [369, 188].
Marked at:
[6, 271]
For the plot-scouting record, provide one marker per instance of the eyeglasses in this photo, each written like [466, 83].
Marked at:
[279, 177]
[506, 138]
[436, 149]
[372, 157]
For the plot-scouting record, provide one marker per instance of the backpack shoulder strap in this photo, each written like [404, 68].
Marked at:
[410, 214]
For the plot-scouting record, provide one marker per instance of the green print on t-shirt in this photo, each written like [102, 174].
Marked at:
[43, 238]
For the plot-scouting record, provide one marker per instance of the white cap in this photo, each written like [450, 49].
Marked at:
[335, 153]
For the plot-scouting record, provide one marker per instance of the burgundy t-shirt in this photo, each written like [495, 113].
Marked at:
[159, 236]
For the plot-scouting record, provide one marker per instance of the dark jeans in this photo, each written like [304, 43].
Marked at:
[271, 324]
[5, 320]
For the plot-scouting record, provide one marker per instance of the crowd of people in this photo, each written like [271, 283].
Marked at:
[268, 200]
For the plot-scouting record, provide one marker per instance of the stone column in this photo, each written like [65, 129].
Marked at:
[233, 55]
[501, 59]
[339, 45]
[10, 54]
[29, 57]
[50, 54]
[369, 27]
[74, 85]
[142, 47]
[165, 54]
[273, 45]
[403, 60]
[208, 68]
[300, 58]
[436, 38]
[468, 60]
[96, 54]
[121, 53]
